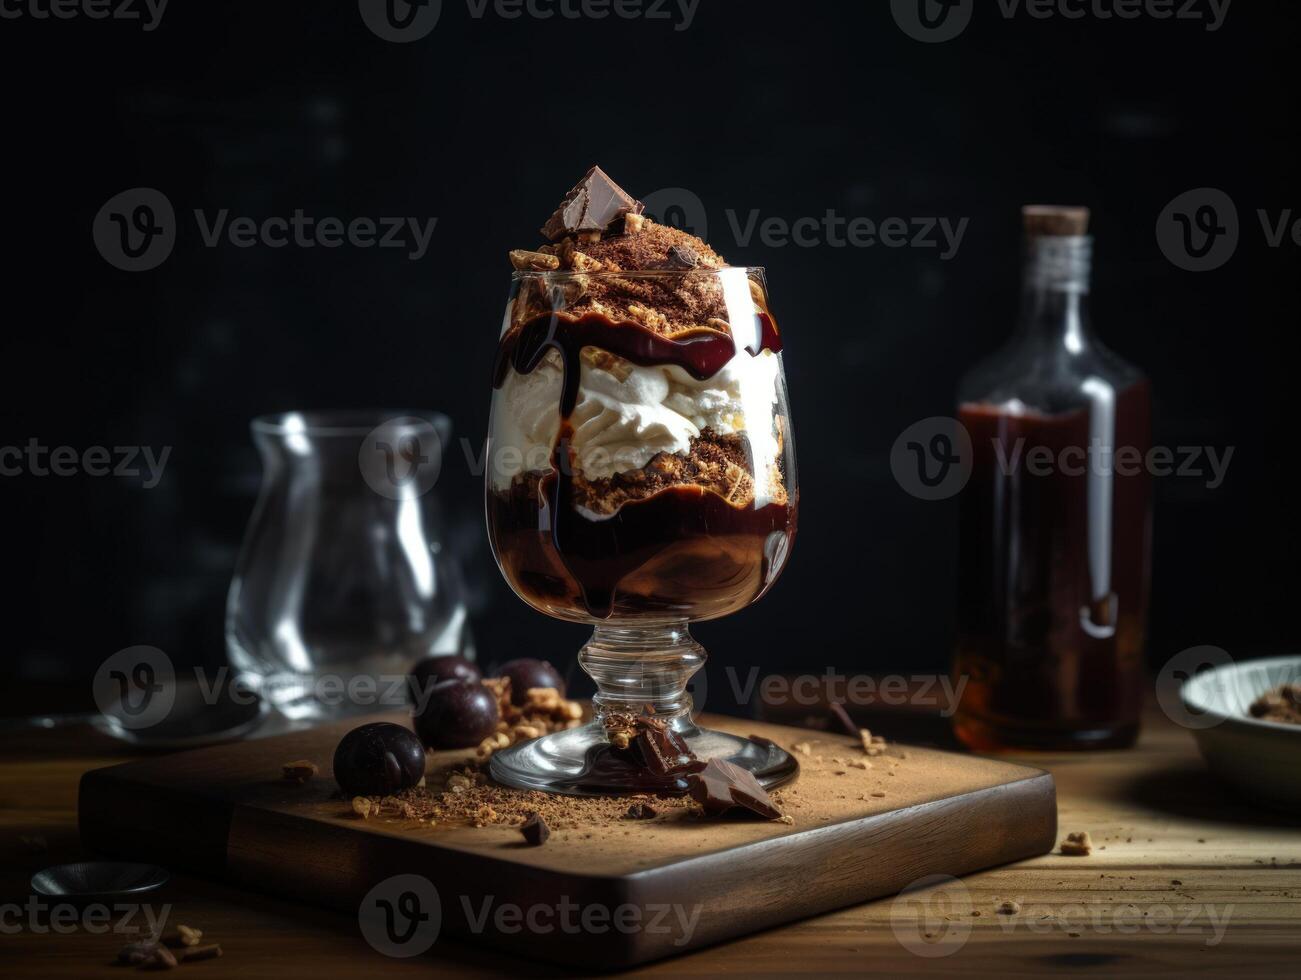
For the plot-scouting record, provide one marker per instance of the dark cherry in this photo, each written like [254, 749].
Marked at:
[456, 715]
[378, 759]
[525, 673]
[434, 670]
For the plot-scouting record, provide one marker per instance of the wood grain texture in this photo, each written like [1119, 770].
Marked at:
[224, 812]
[1151, 808]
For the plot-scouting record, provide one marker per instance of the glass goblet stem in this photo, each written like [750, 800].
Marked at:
[644, 670]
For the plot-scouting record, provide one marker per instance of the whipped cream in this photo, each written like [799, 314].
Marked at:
[625, 414]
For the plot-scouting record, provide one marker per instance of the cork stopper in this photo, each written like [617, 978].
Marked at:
[1052, 221]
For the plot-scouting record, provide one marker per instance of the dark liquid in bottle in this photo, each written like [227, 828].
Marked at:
[1055, 545]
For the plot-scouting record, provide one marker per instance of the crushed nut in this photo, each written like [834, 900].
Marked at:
[651, 318]
[873, 745]
[633, 223]
[362, 806]
[719, 324]
[1077, 845]
[183, 936]
[589, 237]
[585, 263]
[526, 261]
[210, 952]
[457, 783]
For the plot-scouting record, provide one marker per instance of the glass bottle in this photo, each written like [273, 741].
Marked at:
[1055, 525]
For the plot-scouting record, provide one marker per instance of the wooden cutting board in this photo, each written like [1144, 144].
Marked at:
[654, 888]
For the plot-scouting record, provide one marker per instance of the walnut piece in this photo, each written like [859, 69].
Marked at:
[526, 261]
[651, 318]
[299, 772]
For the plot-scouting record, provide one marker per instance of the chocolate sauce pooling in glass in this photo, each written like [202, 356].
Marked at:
[599, 553]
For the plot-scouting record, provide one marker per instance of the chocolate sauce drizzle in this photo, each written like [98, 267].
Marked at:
[598, 553]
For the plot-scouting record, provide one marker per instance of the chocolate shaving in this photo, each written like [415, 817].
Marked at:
[842, 718]
[593, 204]
[721, 786]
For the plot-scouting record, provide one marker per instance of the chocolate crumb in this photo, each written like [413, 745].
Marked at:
[641, 811]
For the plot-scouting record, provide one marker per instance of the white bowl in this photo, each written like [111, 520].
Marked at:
[1261, 758]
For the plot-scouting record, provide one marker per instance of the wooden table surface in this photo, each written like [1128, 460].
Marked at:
[1183, 877]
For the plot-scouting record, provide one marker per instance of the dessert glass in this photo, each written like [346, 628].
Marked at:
[585, 528]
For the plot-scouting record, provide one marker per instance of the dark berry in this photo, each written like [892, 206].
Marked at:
[456, 715]
[378, 759]
[434, 670]
[526, 673]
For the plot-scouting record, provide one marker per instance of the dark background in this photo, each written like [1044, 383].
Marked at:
[789, 108]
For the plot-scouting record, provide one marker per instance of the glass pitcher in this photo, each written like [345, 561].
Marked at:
[342, 582]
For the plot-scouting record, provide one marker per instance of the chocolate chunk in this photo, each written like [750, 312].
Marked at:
[593, 205]
[720, 786]
[641, 811]
[535, 830]
[682, 257]
[662, 750]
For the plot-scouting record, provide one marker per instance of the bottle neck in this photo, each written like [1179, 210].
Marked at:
[1055, 291]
